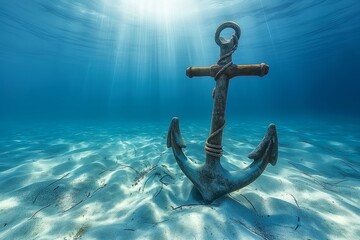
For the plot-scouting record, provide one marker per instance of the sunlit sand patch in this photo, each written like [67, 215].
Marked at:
[9, 203]
[76, 146]
[81, 155]
[80, 179]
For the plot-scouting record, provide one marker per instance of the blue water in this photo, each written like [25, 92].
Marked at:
[116, 59]
[88, 89]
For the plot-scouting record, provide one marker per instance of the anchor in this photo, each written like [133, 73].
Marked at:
[210, 178]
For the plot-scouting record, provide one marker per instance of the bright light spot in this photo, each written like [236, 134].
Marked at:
[158, 11]
[9, 203]
[81, 155]
[81, 179]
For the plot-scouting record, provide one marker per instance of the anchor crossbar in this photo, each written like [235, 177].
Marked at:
[232, 71]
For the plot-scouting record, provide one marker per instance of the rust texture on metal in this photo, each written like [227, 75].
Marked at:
[210, 178]
[233, 71]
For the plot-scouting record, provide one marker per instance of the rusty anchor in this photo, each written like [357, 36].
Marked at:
[211, 179]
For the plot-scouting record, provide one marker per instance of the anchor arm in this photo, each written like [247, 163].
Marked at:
[232, 71]
[177, 143]
[215, 181]
[260, 150]
[266, 152]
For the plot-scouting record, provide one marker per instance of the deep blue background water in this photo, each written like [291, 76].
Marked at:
[120, 58]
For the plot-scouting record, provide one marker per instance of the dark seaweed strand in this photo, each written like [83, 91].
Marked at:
[89, 195]
[37, 195]
[152, 176]
[294, 200]
[191, 205]
[250, 229]
[76, 204]
[159, 191]
[98, 189]
[249, 202]
[323, 184]
[129, 229]
[127, 166]
[298, 217]
[167, 175]
[40, 210]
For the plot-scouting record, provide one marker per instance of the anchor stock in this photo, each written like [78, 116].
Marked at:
[232, 71]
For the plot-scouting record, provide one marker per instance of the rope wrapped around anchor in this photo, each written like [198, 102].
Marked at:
[223, 69]
[213, 149]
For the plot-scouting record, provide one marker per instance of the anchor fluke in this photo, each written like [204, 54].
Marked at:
[176, 142]
[260, 150]
[174, 134]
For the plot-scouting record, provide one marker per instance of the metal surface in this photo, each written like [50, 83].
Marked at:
[211, 179]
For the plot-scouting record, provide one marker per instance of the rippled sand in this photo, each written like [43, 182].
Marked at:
[116, 181]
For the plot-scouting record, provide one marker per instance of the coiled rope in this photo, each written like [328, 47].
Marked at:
[226, 66]
[214, 149]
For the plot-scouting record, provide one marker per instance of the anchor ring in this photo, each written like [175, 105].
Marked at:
[222, 41]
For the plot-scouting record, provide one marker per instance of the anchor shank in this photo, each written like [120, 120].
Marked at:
[220, 96]
[218, 114]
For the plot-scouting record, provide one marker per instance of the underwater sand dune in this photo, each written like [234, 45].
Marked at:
[110, 182]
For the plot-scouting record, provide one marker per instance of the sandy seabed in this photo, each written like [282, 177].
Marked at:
[119, 181]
